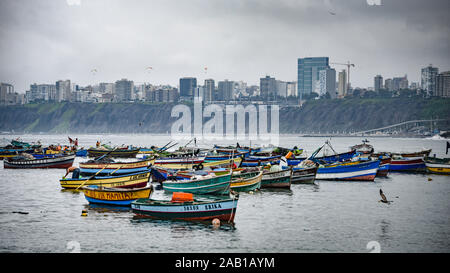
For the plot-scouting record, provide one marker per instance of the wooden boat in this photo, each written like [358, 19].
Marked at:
[220, 157]
[135, 180]
[184, 207]
[9, 152]
[304, 175]
[179, 162]
[121, 152]
[437, 165]
[253, 161]
[247, 181]
[115, 168]
[356, 171]
[424, 153]
[385, 166]
[208, 184]
[407, 164]
[115, 196]
[277, 179]
[363, 148]
[53, 162]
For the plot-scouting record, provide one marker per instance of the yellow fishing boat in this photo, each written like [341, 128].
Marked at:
[135, 180]
[115, 196]
[438, 165]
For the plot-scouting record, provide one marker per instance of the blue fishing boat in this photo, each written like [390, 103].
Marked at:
[358, 171]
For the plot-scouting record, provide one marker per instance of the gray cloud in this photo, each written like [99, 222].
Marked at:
[47, 40]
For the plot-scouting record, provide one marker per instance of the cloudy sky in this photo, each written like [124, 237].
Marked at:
[46, 40]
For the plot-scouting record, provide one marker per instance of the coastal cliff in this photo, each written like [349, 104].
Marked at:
[315, 116]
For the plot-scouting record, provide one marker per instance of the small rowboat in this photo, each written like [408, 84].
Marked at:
[53, 162]
[179, 162]
[208, 184]
[253, 161]
[438, 165]
[407, 164]
[187, 208]
[125, 153]
[115, 196]
[246, 182]
[423, 153]
[277, 179]
[135, 180]
[114, 168]
[356, 171]
[304, 175]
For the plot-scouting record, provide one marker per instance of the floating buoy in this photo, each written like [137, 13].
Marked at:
[216, 223]
[250, 192]
[84, 212]
[429, 179]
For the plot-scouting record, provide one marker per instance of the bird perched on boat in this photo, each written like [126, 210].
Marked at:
[383, 198]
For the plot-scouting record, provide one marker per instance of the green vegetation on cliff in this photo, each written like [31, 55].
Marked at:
[315, 116]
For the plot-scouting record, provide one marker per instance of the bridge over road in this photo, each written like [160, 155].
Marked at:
[405, 124]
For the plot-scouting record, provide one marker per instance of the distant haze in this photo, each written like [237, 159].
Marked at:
[44, 41]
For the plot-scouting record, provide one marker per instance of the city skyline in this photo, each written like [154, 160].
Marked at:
[99, 41]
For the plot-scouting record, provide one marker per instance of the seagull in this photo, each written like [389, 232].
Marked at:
[383, 198]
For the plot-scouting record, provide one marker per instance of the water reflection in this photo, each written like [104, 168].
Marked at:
[181, 226]
[385, 229]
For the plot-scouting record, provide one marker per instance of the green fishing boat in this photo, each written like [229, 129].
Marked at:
[206, 184]
[246, 182]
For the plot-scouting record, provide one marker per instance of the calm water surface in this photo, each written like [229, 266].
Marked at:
[326, 217]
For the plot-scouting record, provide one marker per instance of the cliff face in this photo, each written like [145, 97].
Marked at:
[315, 116]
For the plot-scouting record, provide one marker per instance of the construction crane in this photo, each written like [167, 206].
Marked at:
[348, 71]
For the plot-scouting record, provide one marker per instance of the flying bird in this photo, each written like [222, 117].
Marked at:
[332, 13]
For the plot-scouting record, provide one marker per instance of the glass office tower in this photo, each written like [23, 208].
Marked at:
[308, 73]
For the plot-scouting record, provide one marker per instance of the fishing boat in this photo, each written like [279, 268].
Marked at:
[135, 180]
[220, 157]
[184, 207]
[179, 162]
[277, 179]
[246, 182]
[118, 152]
[114, 168]
[356, 171]
[423, 153]
[304, 175]
[115, 196]
[437, 165]
[407, 164]
[385, 165]
[363, 148]
[200, 184]
[8, 152]
[253, 161]
[27, 161]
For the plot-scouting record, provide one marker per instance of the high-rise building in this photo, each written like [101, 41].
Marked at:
[187, 87]
[327, 82]
[443, 84]
[106, 88]
[63, 91]
[428, 79]
[210, 90]
[388, 85]
[399, 83]
[342, 84]
[124, 90]
[6, 90]
[267, 87]
[308, 73]
[378, 83]
[225, 90]
[281, 88]
[291, 89]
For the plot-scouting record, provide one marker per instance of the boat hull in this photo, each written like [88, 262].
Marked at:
[223, 210]
[437, 168]
[115, 197]
[214, 185]
[137, 180]
[279, 179]
[116, 153]
[43, 163]
[412, 164]
[304, 175]
[355, 171]
[247, 184]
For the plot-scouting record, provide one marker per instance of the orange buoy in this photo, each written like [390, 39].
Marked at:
[216, 222]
